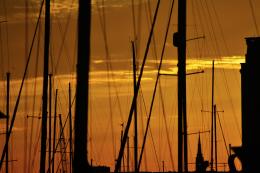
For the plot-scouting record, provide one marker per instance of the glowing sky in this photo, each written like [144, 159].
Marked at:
[224, 24]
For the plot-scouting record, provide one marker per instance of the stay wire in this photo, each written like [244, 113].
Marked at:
[34, 100]
[118, 163]
[223, 134]
[254, 17]
[20, 91]
[102, 16]
[155, 87]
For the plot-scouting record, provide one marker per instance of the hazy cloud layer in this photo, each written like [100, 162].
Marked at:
[15, 10]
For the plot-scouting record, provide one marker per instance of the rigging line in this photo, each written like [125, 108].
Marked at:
[196, 34]
[205, 18]
[222, 35]
[51, 64]
[62, 94]
[220, 27]
[134, 20]
[74, 66]
[36, 145]
[166, 127]
[150, 131]
[109, 66]
[2, 54]
[62, 131]
[223, 135]
[34, 100]
[225, 78]
[136, 41]
[93, 111]
[232, 105]
[217, 48]
[118, 163]
[154, 49]
[149, 19]
[65, 148]
[36, 142]
[63, 39]
[254, 17]
[7, 38]
[200, 18]
[102, 14]
[25, 143]
[156, 155]
[149, 16]
[51, 56]
[199, 51]
[156, 82]
[100, 153]
[20, 91]
[142, 131]
[139, 33]
[91, 125]
[199, 48]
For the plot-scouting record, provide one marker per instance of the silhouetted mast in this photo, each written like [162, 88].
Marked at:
[215, 136]
[135, 112]
[180, 42]
[70, 126]
[50, 102]
[80, 162]
[212, 118]
[45, 87]
[7, 119]
[54, 130]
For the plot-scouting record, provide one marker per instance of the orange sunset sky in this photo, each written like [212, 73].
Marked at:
[224, 24]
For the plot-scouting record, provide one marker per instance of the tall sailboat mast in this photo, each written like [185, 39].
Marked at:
[212, 118]
[80, 162]
[7, 119]
[45, 87]
[180, 42]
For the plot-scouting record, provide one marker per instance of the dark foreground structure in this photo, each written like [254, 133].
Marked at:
[249, 152]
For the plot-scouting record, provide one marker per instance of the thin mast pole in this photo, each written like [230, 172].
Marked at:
[70, 121]
[135, 112]
[50, 97]
[7, 119]
[215, 133]
[80, 161]
[54, 130]
[45, 87]
[212, 118]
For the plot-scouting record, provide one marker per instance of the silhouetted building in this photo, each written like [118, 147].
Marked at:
[250, 105]
[250, 87]
[201, 165]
